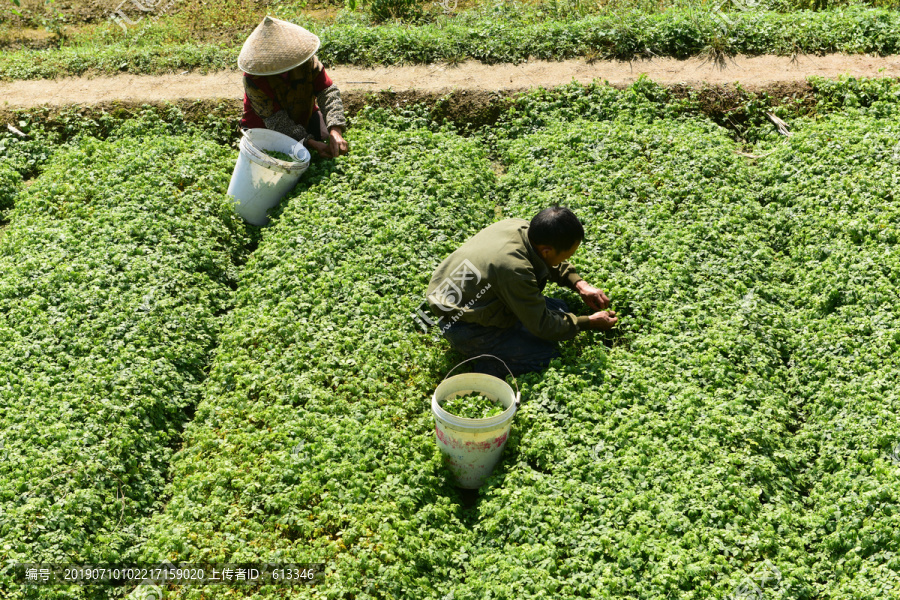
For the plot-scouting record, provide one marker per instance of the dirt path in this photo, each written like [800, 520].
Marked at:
[751, 72]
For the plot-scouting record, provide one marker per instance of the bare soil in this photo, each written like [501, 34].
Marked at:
[752, 73]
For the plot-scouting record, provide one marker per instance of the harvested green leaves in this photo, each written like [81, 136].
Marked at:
[472, 406]
[281, 156]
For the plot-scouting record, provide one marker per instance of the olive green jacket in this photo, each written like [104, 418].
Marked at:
[496, 278]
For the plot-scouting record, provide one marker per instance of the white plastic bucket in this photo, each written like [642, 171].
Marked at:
[259, 181]
[472, 447]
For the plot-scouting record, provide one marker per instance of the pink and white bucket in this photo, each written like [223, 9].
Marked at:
[472, 447]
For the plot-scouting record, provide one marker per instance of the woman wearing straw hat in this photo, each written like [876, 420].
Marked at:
[286, 88]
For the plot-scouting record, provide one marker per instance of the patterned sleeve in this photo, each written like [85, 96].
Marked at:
[261, 97]
[329, 101]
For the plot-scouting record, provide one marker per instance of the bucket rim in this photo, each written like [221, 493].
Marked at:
[259, 156]
[466, 422]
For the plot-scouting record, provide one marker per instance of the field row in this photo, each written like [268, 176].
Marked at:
[499, 35]
[113, 271]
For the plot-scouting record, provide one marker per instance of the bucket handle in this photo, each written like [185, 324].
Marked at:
[518, 394]
[251, 144]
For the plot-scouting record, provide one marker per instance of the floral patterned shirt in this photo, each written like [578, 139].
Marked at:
[294, 91]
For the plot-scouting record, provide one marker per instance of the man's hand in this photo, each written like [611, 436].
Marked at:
[602, 320]
[593, 297]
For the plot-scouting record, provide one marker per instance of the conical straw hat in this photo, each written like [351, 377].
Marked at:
[276, 46]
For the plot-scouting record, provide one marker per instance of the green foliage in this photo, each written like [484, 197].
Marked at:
[739, 424]
[625, 36]
[314, 438]
[10, 181]
[538, 109]
[114, 269]
[49, 133]
[115, 58]
[875, 97]
[281, 156]
[387, 10]
[682, 455]
[833, 196]
[498, 36]
[658, 463]
[472, 406]
[26, 156]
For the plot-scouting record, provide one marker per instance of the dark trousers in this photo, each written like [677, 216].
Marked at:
[520, 349]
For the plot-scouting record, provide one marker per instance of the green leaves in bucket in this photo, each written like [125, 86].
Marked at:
[472, 406]
[281, 156]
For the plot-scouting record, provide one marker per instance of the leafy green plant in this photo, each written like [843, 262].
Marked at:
[351, 427]
[27, 155]
[642, 449]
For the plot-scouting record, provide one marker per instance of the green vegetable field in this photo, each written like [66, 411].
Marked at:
[177, 386]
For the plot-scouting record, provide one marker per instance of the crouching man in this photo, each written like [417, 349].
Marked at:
[487, 296]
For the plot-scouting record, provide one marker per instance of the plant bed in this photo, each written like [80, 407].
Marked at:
[114, 269]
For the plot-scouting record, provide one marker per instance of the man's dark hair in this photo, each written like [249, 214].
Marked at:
[557, 227]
